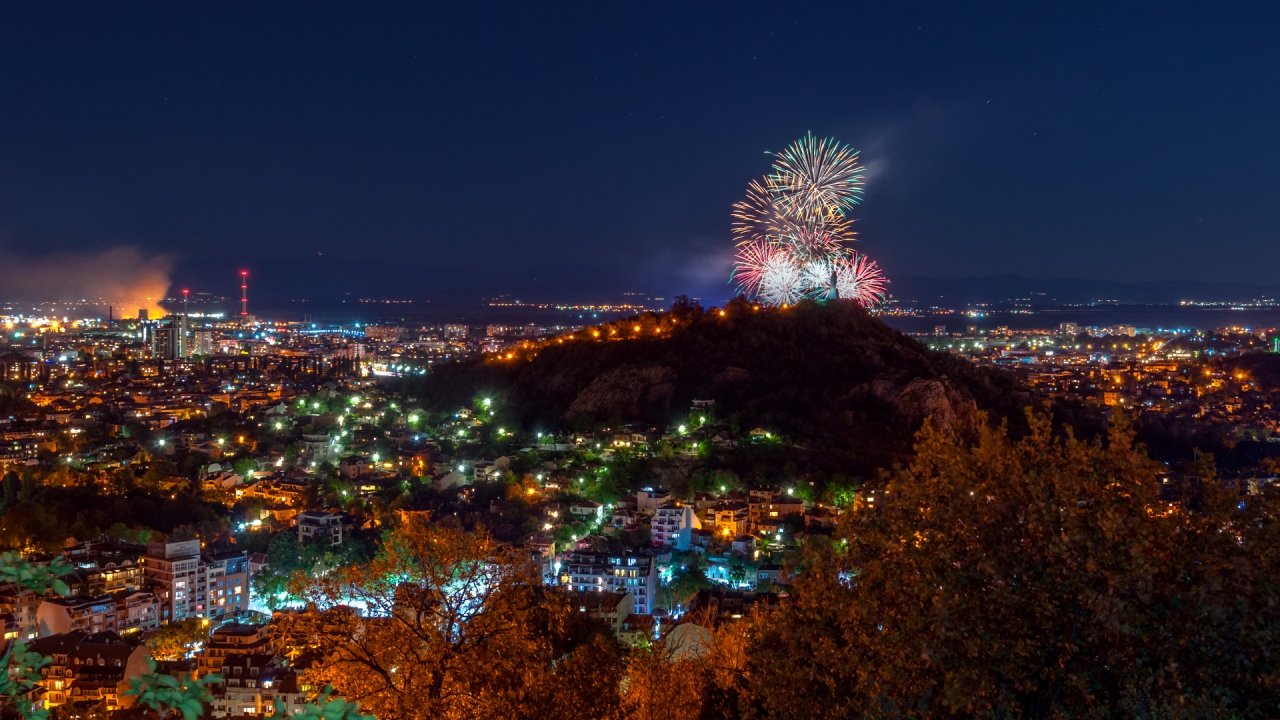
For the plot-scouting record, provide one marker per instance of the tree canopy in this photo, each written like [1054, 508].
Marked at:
[995, 577]
[1037, 578]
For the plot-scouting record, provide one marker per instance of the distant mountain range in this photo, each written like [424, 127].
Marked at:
[954, 292]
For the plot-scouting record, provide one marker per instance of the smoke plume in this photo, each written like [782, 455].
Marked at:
[123, 276]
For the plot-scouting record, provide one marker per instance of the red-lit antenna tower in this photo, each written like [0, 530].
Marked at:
[244, 294]
[182, 329]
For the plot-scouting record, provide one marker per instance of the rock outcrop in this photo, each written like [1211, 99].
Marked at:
[628, 390]
[932, 399]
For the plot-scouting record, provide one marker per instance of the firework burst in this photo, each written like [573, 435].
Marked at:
[751, 262]
[782, 281]
[816, 178]
[793, 229]
[849, 276]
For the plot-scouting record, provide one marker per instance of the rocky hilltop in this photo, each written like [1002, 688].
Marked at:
[831, 378]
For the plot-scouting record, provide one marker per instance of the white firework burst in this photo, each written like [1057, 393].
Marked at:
[781, 281]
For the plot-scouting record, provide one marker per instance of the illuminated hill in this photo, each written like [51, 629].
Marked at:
[830, 378]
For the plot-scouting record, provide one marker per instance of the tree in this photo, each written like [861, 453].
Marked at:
[27, 525]
[166, 695]
[661, 685]
[1037, 578]
[453, 625]
[178, 640]
[686, 580]
[73, 711]
[23, 667]
[287, 557]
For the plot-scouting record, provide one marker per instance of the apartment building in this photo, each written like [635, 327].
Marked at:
[126, 611]
[89, 668]
[228, 640]
[672, 527]
[22, 605]
[770, 507]
[189, 584]
[226, 584]
[612, 608]
[317, 525]
[633, 573]
[731, 518]
[175, 571]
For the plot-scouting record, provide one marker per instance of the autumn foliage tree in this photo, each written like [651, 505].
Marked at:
[1037, 578]
[451, 624]
[1040, 577]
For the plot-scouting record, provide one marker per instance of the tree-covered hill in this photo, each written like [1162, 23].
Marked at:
[829, 377]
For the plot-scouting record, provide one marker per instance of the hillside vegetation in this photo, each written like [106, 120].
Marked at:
[835, 381]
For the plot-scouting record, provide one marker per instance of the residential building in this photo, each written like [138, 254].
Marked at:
[636, 628]
[188, 584]
[122, 612]
[227, 584]
[773, 506]
[174, 570]
[634, 573]
[587, 510]
[672, 527]
[650, 499]
[103, 566]
[731, 518]
[611, 608]
[319, 449]
[89, 668]
[229, 640]
[136, 611]
[251, 683]
[317, 525]
[23, 605]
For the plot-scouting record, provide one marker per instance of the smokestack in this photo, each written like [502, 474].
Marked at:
[110, 319]
[244, 294]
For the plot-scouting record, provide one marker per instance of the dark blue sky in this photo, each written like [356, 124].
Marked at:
[455, 149]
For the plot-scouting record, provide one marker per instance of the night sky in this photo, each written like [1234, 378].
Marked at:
[453, 150]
